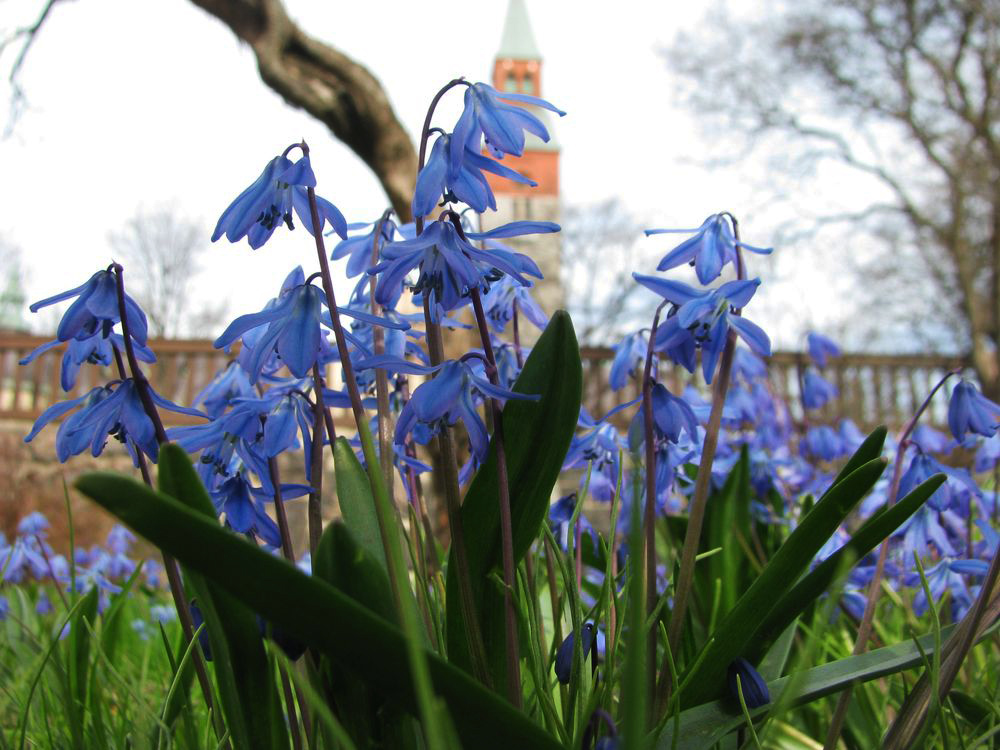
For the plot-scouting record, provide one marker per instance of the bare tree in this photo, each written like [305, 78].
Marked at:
[162, 250]
[598, 256]
[903, 92]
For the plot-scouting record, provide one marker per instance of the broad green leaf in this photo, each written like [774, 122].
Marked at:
[341, 561]
[247, 687]
[733, 638]
[819, 580]
[702, 726]
[727, 519]
[537, 435]
[354, 495]
[313, 611]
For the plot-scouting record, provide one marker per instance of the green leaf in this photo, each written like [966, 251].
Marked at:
[727, 519]
[869, 450]
[733, 638]
[537, 436]
[702, 726]
[864, 540]
[357, 506]
[247, 686]
[313, 611]
[78, 647]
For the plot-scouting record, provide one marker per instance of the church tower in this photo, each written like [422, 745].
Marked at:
[518, 69]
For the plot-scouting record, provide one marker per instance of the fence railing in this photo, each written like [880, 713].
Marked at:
[874, 388]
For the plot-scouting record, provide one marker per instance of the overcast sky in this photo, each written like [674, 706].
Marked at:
[155, 103]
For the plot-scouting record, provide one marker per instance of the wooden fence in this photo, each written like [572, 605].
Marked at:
[873, 388]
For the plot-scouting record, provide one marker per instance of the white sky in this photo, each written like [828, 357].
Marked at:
[156, 103]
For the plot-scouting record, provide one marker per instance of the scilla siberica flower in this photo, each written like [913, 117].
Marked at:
[96, 350]
[712, 246]
[630, 356]
[462, 181]
[743, 678]
[564, 656]
[816, 390]
[269, 201]
[703, 319]
[95, 310]
[970, 411]
[358, 248]
[115, 410]
[450, 265]
[445, 399]
[502, 298]
[501, 124]
[293, 328]
[821, 348]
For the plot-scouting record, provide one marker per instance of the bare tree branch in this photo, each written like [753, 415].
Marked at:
[26, 35]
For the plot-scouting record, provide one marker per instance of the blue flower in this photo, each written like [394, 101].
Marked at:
[560, 515]
[712, 246]
[450, 265]
[703, 319]
[460, 180]
[96, 349]
[931, 440]
[601, 446]
[243, 506]
[821, 348]
[748, 366]
[630, 358]
[114, 410]
[970, 411]
[948, 575]
[450, 396]
[743, 678]
[499, 303]
[670, 415]
[269, 201]
[229, 384]
[816, 390]
[502, 124]
[824, 443]
[358, 248]
[95, 310]
[564, 656]
[292, 329]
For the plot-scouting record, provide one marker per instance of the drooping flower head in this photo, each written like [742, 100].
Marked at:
[703, 319]
[821, 348]
[448, 397]
[268, 202]
[95, 310]
[712, 246]
[450, 265]
[970, 411]
[817, 391]
[291, 326]
[502, 124]
[113, 410]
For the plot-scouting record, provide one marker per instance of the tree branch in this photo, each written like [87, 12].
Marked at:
[330, 86]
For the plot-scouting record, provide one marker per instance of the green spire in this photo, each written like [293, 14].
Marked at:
[518, 40]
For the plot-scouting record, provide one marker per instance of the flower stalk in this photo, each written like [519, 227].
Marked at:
[696, 512]
[384, 509]
[506, 531]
